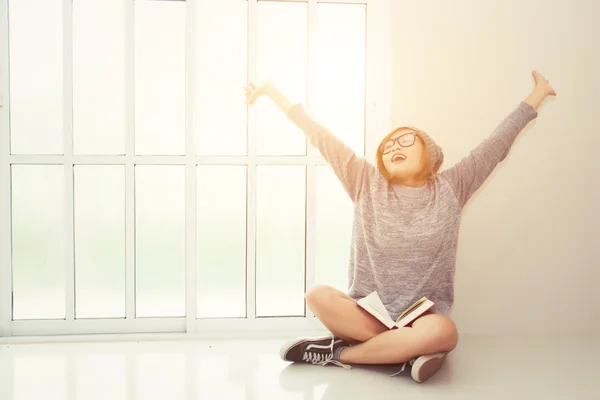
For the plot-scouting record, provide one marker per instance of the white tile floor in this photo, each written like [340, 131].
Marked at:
[480, 368]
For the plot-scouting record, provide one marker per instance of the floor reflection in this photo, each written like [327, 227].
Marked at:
[491, 368]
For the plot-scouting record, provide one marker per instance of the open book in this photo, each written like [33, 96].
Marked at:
[373, 305]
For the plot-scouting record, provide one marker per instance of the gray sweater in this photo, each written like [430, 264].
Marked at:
[403, 238]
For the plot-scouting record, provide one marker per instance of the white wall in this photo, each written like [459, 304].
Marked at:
[528, 258]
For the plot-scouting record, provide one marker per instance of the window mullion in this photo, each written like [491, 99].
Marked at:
[129, 161]
[41, 159]
[68, 159]
[190, 167]
[251, 172]
[311, 195]
[5, 217]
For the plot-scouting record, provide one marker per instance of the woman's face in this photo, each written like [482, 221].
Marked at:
[403, 155]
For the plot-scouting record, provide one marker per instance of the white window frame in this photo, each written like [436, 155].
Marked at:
[377, 121]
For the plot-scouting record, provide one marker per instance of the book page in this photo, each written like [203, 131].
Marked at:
[374, 306]
[375, 301]
[411, 308]
[414, 313]
[389, 323]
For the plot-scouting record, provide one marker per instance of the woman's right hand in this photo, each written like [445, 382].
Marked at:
[253, 92]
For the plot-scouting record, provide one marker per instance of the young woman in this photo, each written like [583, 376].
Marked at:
[404, 238]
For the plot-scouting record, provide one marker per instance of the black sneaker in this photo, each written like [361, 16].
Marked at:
[318, 350]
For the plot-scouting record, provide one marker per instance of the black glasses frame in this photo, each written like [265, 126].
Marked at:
[389, 144]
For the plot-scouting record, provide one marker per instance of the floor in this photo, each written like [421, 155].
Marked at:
[480, 368]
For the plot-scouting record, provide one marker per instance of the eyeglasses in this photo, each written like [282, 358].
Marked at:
[405, 140]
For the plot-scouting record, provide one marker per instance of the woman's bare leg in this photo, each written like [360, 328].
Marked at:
[431, 333]
[428, 334]
[427, 341]
[341, 315]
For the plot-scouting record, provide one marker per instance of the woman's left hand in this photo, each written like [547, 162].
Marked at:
[542, 84]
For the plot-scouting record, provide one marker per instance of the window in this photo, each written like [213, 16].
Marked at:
[142, 194]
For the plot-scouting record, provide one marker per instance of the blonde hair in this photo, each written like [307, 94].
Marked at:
[426, 167]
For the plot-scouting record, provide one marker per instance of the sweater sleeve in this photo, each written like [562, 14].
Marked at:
[354, 172]
[467, 176]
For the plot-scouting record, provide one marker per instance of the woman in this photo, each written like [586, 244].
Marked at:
[404, 238]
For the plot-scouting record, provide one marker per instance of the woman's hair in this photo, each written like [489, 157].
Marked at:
[426, 167]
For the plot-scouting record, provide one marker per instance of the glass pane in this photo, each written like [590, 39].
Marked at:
[334, 218]
[221, 64]
[160, 241]
[339, 85]
[159, 77]
[100, 241]
[50, 377]
[282, 36]
[38, 238]
[36, 76]
[280, 239]
[160, 376]
[101, 377]
[99, 77]
[221, 235]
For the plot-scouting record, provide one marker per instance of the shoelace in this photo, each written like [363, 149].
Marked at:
[411, 362]
[322, 359]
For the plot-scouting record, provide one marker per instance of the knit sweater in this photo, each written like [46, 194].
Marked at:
[404, 239]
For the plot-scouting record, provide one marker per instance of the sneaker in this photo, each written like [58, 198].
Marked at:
[318, 351]
[424, 367]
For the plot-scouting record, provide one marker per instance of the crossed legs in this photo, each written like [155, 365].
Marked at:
[374, 343]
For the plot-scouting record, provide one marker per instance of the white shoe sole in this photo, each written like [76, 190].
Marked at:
[426, 366]
[288, 345]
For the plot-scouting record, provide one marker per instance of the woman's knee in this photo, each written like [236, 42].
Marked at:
[320, 296]
[440, 334]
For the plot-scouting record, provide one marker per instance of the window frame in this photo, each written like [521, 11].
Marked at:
[377, 120]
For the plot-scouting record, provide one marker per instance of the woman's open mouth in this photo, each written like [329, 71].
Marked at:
[398, 158]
